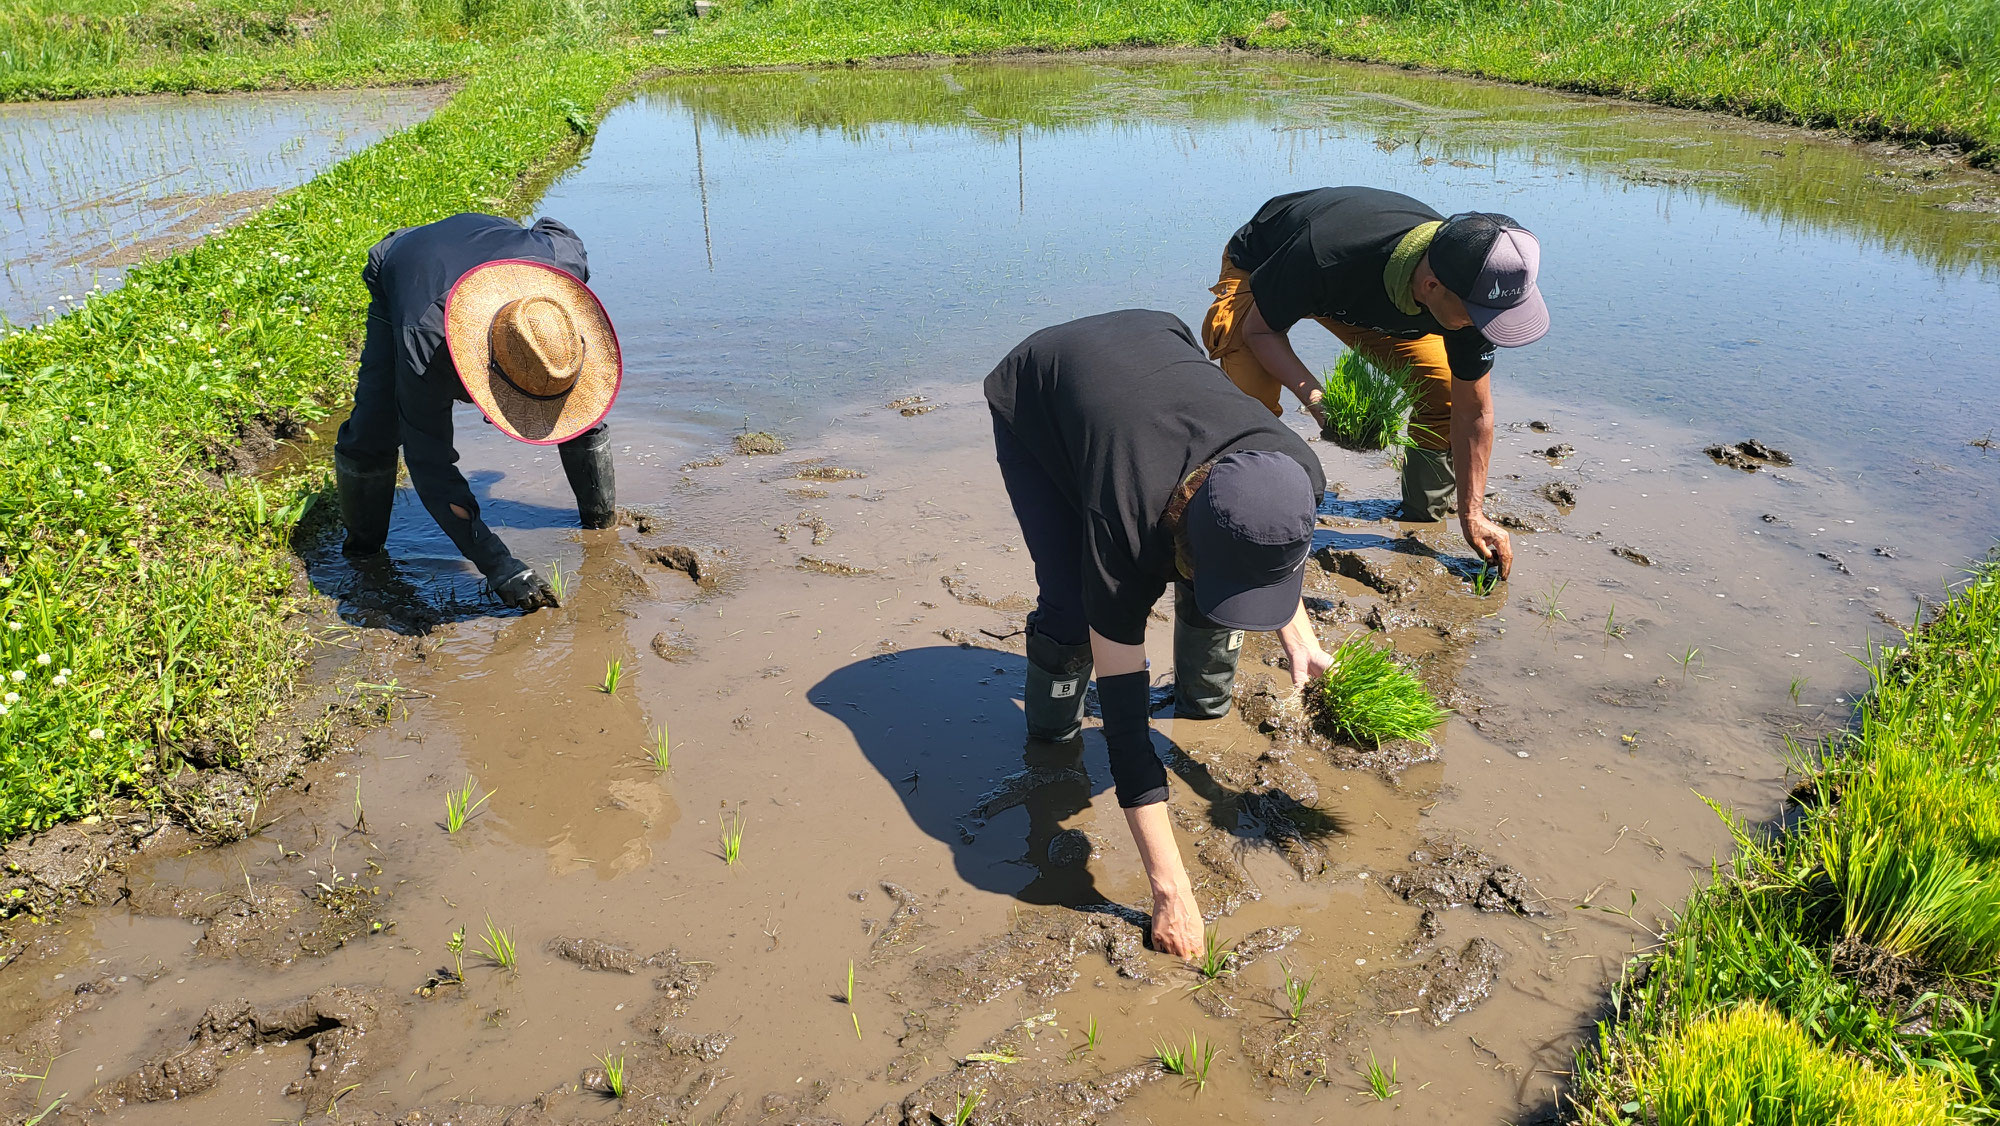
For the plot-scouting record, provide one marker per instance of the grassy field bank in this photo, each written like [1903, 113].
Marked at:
[1842, 970]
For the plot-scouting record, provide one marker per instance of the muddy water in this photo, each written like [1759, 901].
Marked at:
[100, 185]
[846, 681]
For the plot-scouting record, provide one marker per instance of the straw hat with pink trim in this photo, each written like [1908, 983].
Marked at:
[534, 348]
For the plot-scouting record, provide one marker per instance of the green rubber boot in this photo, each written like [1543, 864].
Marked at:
[1057, 677]
[1429, 484]
[1204, 660]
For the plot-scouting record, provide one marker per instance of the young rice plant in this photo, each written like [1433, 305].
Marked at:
[460, 805]
[1368, 698]
[1367, 407]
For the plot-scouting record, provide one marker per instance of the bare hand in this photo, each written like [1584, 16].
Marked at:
[1317, 409]
[1177, 926]
[1305, 657]
[1488, 540]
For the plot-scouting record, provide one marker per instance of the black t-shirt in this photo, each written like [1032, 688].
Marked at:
[1321, 253]
[1120, 408]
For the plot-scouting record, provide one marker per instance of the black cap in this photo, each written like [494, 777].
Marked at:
[1491, 263]
[1249, 529]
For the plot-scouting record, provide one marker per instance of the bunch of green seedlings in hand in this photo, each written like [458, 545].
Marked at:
[460, 805]
[1368, 698]
[1367, 407]
[1190, 1063]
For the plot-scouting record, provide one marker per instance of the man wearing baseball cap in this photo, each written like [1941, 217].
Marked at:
[1406, 287]
[1132, 464]
[477, 309]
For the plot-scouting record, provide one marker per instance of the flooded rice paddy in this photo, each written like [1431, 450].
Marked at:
[96, 186]
[804, 253]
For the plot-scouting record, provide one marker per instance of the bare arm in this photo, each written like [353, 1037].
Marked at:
[1471, 456]
[1273, 350]
[1302, 648]
[1176, 915]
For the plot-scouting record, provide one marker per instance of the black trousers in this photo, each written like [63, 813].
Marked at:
[1053, 530]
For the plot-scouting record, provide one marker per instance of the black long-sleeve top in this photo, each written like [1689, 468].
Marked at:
[408, 276]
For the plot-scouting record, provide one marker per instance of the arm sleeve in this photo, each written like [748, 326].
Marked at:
[1469, 353]
[433, 460]
[1136, 772]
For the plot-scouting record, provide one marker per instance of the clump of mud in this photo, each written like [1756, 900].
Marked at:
[712, 461]
[910, 406]
[1632, 555]
[963, 591]
[1391, 582]
[643, 523]
[672, 645]
[1450, 982]
[831, 566]
[1559, 493]
[1558, 451]
[809, 522]
[352, 1034]
[759, 442]
[1016, 1096]
[1447, 874]
[705, 565]
[268, 923]
[1277, 711]
[812, 472]
[258, 441]
[1903, 988]
[1749, 455]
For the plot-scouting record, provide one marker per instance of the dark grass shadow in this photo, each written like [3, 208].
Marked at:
[943, 725]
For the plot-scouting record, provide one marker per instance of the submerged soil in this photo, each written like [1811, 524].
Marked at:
[856, 709]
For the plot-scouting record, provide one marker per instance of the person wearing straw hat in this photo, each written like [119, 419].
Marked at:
[478, 309]
[1132, 464]
[1406, 287]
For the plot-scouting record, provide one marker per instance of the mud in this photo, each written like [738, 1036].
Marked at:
[260, 442]
[758, 442]
[1749, 455]
[708, 566]
[271, 924]
[1447, 874]
[910, 406]
[1632, 555]
[1449, 983]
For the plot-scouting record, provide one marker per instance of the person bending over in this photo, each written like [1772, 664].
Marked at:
[1132, 464]
[477, 309]
[1406, 287]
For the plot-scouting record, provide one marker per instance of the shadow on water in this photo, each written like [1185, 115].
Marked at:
[941, 725]
[420, 582]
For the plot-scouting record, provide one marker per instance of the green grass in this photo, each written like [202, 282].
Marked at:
[1298, 990]
[498, 946]
[460, 805]
[1216, 959]
[1190, 1063]
[968, 1103]
[1368, 698]
[1890, 872]
[1382, 1083]
[1367, 407]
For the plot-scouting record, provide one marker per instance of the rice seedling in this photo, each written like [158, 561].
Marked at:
[460, 805]
[1190, 1063]
[732, 838]
[1367, 407]
[1382, 1084]
[1368, 698]
[360, 814]
[614, 669]
[1487, 577]
[1215, 961]
[661, 753]
[1754, 1067]
[497, 946]
[1552, 610]
[559, 582]
[968, 1103]
[1691, 657]
[847, 997]
[456, 944]
[614, 1074]
[1298, 990]
[1798, 685]
[1612, 630]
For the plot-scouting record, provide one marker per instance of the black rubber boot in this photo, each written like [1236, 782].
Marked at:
[1057, 677]
[586, 461]
[1429, 484]
[366, 498]
[1204, 660]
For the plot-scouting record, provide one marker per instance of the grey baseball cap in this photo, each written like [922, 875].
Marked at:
[1249, 528]
[1490, 262]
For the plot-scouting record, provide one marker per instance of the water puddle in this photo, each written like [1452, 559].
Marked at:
[97, 186]
[797, 252]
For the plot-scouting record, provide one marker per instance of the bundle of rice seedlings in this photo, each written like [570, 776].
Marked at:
[1367, 407]
[1367, 698]
[1753, 1067]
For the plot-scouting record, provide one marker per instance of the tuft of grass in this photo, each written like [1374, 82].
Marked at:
[1090, 1034]
[1612, 630]
[559, 582]
[1798, 685]
[732, 838]
[460, 805]
[661, 753]
[968, 1103]
[1298, 990]
[1382, 1084]
[614, 670]
[1215, 960]
[1552, 610]
[614, 1074]
[1367, 407]
[1487, 577]
[1368, 698]
[1690, 658]
[1753, 1067]
[1190, 1063]
[497, 946]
